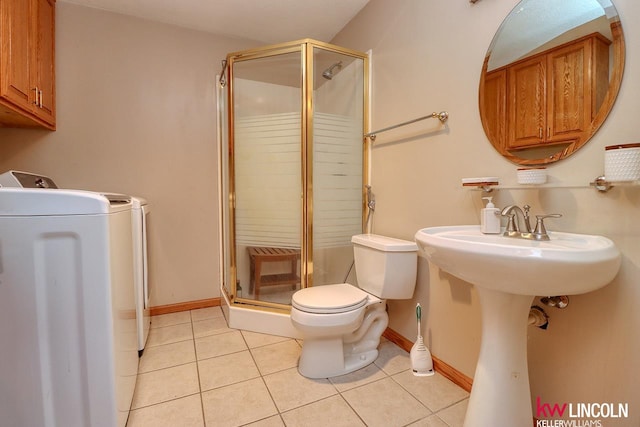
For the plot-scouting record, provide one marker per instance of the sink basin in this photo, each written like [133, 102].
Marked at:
[565, 265]
[508, 273]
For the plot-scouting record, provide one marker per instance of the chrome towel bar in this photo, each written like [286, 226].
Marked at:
[442, 116]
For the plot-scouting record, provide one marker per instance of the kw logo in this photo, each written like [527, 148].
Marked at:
[546, 410]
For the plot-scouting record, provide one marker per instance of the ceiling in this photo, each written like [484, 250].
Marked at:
[266, 21]
[535, 23]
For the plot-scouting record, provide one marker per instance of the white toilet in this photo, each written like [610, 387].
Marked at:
[342, 324]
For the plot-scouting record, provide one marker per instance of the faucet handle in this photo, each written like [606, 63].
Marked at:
[540, 233]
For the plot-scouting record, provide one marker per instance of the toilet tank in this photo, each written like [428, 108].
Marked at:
[385, 267]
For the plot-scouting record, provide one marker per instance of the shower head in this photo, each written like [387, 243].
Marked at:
[328, 73]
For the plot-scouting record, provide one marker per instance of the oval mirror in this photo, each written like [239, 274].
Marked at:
[550, 78]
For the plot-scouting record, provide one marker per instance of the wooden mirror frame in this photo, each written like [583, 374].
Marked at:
[618, 51]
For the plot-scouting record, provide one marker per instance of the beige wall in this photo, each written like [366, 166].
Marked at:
[427, 56]
[136, 115]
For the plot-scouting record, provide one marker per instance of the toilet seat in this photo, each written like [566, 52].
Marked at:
[329, 299]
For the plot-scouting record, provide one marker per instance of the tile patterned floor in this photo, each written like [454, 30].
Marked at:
[196, 371]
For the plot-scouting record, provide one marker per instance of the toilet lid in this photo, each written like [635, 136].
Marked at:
[329, 299]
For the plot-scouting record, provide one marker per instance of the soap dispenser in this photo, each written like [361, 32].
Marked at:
[490, 218]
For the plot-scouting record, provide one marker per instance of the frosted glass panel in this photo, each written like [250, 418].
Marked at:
[337, 163]
[267, 171]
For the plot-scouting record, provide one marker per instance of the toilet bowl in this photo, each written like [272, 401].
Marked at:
[341, 324]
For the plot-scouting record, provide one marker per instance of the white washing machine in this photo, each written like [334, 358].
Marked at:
[67, 308]
[139, 211]
[139, 215]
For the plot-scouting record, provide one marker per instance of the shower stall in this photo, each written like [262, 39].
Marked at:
[293, 169]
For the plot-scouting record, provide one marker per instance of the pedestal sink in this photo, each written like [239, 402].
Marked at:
[508, 273]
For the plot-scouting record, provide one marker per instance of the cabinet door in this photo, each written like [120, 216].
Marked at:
[43, 59]
[495, 106]
[569, 102]
[15, 39]
[527, 103]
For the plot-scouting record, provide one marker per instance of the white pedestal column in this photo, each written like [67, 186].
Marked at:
[500, 396]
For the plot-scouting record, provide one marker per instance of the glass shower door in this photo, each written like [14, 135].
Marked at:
[267, 164]
[338, 162]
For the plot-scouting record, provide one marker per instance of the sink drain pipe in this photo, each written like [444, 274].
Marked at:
[537, 317]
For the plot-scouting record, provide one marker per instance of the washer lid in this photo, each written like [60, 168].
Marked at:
[41, 202]
[329, 299]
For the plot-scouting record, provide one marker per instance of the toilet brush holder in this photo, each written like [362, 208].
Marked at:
[421, 361]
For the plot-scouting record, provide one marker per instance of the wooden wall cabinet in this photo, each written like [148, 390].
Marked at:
[27, 75]
[551, 97]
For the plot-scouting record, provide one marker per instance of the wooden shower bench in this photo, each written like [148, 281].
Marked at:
[259, 255]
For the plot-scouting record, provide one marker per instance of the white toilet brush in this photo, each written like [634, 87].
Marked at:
[421, 362]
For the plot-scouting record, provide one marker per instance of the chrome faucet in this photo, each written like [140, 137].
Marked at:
[513, 227]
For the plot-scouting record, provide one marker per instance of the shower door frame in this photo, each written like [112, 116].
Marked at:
[305, 47]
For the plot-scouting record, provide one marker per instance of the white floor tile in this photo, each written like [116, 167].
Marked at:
[330, 412]
[169, 334]
[238, 404]
[454, 415]
[225, 370]
[206, 313]
[275, 421]
[360, 377]
[170, 319]
[435, 392]
[183, 412]
[391, 358]
[212, 326]
[430, 421]
[219, 345]
[167, 355]
[385, 404]
[255, 339]
[165, 384]
[277, 357]
[291, 390]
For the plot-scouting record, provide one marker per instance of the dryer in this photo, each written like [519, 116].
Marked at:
[139, 214]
